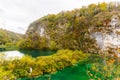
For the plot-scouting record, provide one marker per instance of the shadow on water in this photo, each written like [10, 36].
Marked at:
[36, 53]
[33, 53]
[2, 49]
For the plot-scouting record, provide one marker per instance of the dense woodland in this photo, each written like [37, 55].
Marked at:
[9, 40]
[9, 37]
[69, 29]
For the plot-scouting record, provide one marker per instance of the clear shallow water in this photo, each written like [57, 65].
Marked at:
[77, 72]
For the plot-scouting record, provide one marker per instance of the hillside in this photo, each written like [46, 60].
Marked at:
[70, 29]
[9, 37]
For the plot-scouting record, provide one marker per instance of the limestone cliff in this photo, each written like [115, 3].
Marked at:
[89, 29]
[109, 37]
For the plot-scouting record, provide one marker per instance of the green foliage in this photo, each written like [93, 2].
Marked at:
[9, 37]
[8, 40]
[103, 6]
[4, 75]
[52, 45]
[104, 67]
[3, 37]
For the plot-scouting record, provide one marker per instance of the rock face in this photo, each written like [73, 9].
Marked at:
[61, 31]
[37, 28]
[106, 34]
[110, 37]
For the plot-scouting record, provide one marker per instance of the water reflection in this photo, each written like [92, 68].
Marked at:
[36, 53]
[20, 53]
[12, 54]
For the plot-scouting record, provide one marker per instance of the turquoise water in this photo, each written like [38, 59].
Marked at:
[77, 72]
[21, 53]
[36, 53]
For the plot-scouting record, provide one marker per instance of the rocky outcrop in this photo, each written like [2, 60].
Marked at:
[109, 37]
[88, 29]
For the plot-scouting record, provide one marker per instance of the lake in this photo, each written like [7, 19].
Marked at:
[21, 53]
